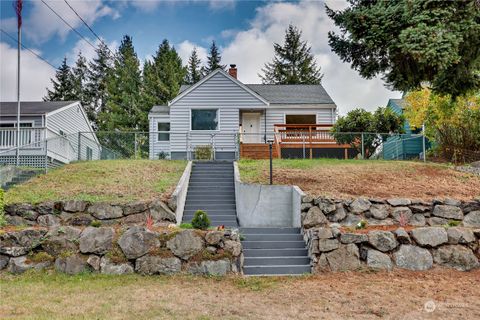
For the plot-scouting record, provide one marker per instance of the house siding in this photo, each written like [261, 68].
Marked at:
[156, 147]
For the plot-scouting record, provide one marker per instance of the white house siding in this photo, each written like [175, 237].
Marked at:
[218, 92]
[157, 147]
[72, 120]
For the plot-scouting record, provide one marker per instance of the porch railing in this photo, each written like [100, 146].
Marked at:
[28, 137]
[304, 133]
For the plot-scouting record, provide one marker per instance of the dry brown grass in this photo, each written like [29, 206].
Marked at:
[107, 180]
[355, 178]
[395, 295]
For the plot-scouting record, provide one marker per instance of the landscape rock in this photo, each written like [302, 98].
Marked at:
[399, 212]
[108, 267]
[104, 211]
[314, 218]
[138, 241]
[396, 202]
[134, 219]
[61, 238]
[459, 235]
[214, 237]
[360, 205]
[157, 265]
[448, 212]
[3, 261]
[379, 211]
[75, 206]
[134, 208]
[339, 214]
[402, 236]
[324, 233]
[456, 256]
[419, 208]
[347, 238]
[49, 207]
[186, 244]
[161, 212]
[436, 221]
[452, 202]
[305, 206]
[382, 240]
[343, 259]
[72, 264]
[96, 240]
[351, 220]
[80, 220]
[48, 220]
[325, 245]
[18, 243]
[94, 262]
[430, 236]
[418, 220]
[307, 199]
[378, 260]
[21, 264]
[472, 219]
[18, 221]
[235, 247]
[210, 267]
[413, 258]
[326, 205]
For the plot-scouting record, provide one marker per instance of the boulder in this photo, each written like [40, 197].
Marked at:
[399, 212]
[186, 244]
[19, 265]
[94, 262]
[26, 211]
[379, 211]
[135, 207]
[48, 220]
[402, 236]
[384, 222]
[81, 219]
[18, 221]
[413, 258]
[378, 260]
[452, 202]
[214, 237]
[235, 247]
[339, 214]
[138, 241]
[419, 208]
[75, 206]
[345, 258]
[307, 199]
[325, 245]
[18, 243]
[157, 265]
[351, 220]
[161, 212]
[210, 267]
[314, 218]
[382, 240]
[134, 219]
[49, 207]
[323, 233]
[360, 205]
[447, 212]
[305, 206]
[347, 238]
[61, 238]
[436, 221]
[472, 219]
[326, 205]
[108, 267]
[456, 256]
[96, 240]
[3, 261]
[104, 211]
[418, 220]
[459, 235]
[430, 236]
[396, 202]
[72, 264]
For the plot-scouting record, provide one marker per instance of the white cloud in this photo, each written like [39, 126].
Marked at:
[35, 75]
[251, 48]
[185, 48]
[150, 5]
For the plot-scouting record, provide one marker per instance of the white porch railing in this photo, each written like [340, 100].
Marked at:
[30, 137]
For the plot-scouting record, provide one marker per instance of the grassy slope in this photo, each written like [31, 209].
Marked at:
[110, 180]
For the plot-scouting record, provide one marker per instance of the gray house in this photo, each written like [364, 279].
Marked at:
[235, 119]
[57, 132]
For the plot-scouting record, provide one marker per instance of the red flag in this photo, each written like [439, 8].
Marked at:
[17, 5]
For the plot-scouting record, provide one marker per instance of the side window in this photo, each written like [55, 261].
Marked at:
[89, 153]
[163, 136]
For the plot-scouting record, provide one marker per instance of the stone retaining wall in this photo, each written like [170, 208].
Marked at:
[402, 233]
[83, 213]
[120, 250]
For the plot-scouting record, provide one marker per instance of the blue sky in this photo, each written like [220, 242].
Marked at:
[244, 30]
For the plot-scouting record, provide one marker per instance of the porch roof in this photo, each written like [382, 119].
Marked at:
[32, 107]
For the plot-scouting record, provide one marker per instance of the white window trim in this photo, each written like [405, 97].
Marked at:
[157, 121]
[204, 108]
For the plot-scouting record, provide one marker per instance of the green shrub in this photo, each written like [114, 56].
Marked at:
[200, 220]
[203, 152]
[96, 223]
[3, 221]
[186, 226]
[452, 223]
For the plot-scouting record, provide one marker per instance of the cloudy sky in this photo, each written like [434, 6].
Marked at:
[244, 30]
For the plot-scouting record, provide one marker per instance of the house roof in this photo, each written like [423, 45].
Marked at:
[32, 107]
[288, 93]
[400, 103]
[160, 110]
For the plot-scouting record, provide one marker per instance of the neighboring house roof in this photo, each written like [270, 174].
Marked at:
[288, 93]
[397, 103]
[32, 107]
[160, 110]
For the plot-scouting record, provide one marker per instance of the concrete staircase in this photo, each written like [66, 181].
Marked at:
[274, 251]
[212, 189]
[21, 177]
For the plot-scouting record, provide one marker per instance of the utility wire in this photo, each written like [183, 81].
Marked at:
[26, 48]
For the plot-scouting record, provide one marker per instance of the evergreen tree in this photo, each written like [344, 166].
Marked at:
[194, 70]
[63, 85]
[97, 82]
[213, 60]
[80, 83]
[293, 63]
[162, 77]
[123, 109]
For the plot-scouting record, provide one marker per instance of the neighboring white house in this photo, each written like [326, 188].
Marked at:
[53, 132]
[223, 112]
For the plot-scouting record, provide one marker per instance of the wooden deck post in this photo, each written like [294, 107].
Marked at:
[346, 153]
[310, 139]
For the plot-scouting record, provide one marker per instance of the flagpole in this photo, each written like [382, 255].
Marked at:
[18, 9]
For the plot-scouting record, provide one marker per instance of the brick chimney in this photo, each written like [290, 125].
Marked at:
[233, 70]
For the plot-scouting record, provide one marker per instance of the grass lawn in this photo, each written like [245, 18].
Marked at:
[108, 180]
[369, 178]
[343, 295]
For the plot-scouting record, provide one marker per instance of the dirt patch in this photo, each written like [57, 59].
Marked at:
[376, 179]
[448, 294]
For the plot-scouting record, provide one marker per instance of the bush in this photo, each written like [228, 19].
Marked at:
[203, 152]
[96, 224]
[162, 155]
[200, 220]
[3, 221]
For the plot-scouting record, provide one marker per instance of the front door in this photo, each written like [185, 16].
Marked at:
[251, 128]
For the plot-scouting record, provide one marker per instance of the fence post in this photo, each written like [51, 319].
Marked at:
[79, 157]
[46, 155]
[363, 152]
[303, 138]
[423, 142]
[135, 145]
